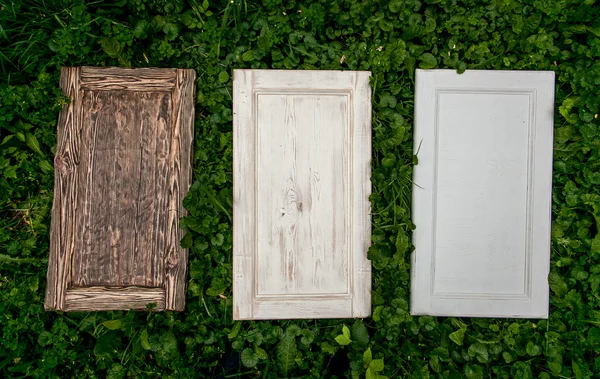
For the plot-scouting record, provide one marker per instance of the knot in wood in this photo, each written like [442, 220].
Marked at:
[61, 165]
[172, 260]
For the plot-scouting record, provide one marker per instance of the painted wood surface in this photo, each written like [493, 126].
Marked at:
[482, 193]
[122, 168]
[301, 185]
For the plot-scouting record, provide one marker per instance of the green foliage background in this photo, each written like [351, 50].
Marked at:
[389, 38]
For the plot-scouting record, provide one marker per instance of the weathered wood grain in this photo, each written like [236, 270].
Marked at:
[324, 307]
[122, 197]
[482, 193]
[301, 187]
[64, 227]
[123, 167]
[360, 193]
[115, 298]
[182, 135]
[244, 207]
[139, 79]
[302, 194]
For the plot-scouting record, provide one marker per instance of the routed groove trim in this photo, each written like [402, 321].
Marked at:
[114, 298]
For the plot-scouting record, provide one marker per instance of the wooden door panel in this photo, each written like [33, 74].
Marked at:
[123, 166]
[301, 186]
[482, 193]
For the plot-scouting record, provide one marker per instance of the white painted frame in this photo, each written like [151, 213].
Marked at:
[445, 279]
[259, 99]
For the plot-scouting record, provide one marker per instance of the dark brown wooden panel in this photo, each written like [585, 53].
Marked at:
[127, 137]
[123, 167]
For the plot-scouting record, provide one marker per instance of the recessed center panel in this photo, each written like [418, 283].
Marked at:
[302, 158]
[481, 207]
[123, 174]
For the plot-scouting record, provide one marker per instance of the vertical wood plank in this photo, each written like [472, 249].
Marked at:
[161, 195]
[105, 239]
[124, 185]
[154, 120]
[182, 134]
[243, 194]
[361, 190]
[64, 211]
[81, 255]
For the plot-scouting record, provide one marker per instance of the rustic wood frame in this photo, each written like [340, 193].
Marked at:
[355, 300]
[61, 295]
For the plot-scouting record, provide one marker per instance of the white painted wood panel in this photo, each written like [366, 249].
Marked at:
[482, 193]
[302, 150]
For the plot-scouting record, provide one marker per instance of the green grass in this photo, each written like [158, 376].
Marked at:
[389, 38]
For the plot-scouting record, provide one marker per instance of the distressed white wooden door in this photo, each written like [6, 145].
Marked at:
[301, 178]
[482, 193]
